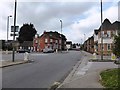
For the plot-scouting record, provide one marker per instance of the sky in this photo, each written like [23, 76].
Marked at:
[79, 17]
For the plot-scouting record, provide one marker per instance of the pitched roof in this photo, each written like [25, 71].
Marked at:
[116, 25]
[53, 35]
[106, 25]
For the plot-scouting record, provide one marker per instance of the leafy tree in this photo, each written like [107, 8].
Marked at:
[116, 48]
[26, 33]
[74, 45]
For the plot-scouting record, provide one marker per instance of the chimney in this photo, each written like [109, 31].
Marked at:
[44, 31]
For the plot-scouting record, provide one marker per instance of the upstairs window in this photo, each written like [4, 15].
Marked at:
[56, 41]
[59, 41]
[46, 40]
[108, 34]
[51, 40]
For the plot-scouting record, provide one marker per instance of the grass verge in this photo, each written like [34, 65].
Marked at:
[111, 79]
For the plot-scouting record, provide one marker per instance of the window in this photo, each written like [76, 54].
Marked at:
[46, 40]
[51, 40]
[59, 41]
[108, 34]
[108, 47]
[102, 33]
[56, 41]
[50, 34]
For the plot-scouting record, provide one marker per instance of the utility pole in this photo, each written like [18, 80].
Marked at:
[101, 33]
[13, 54]
[61, 35]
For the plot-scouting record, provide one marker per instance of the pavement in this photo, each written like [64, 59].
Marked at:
[85, 74]
[11, 63]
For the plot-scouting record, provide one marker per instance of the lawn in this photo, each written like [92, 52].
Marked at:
[111, 78]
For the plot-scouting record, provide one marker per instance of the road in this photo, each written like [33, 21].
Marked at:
[42, 73]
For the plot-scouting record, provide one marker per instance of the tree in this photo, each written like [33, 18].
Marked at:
[26, 33]
[116, 48]
[74, 45]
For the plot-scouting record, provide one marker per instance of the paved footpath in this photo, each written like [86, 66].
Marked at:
[86, 74]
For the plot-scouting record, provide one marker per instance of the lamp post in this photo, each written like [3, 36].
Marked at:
[61, 34]
[84, 37]
[101, 33]
[8, 26]
[7, 33]
[13, 54]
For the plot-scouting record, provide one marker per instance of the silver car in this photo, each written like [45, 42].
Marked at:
[48, 50]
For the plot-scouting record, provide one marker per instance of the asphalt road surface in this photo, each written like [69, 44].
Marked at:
[42, 73]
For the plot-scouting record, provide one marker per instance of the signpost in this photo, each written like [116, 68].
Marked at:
[16, 30]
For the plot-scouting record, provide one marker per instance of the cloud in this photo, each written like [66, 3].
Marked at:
[92, 21]
[78, 18]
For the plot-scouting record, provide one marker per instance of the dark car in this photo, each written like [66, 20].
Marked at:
[23, 51]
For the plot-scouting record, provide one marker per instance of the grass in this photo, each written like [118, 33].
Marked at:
[99, 60]
[111, 79]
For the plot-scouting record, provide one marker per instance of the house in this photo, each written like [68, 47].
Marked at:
[108, 31]
[89, 45]
[53, 40]
[69, 44]
[95, 35]
[104, 37]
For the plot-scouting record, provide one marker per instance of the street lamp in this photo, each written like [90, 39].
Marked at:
[8, 25]
[8, 29]
[84, 37]
[13, 54]
[101, 34]
[61, 34]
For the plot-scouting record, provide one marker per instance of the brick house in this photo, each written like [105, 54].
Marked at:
[93, 44]
[108, 31]
[89, 45]
[53, 40]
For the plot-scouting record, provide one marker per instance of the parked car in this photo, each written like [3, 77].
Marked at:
[23, 51]
[48, 50]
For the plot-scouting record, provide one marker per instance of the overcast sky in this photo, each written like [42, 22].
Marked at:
[79, 17]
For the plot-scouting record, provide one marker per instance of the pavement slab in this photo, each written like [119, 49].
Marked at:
[87, 74]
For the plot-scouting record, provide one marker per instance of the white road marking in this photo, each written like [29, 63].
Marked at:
[39, 54]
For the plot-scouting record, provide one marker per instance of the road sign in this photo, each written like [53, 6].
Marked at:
[12, 28]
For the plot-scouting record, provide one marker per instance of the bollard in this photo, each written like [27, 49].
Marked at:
[56, 50]
[26, 56]
[67, 50]
[94, 55]
[113, 56]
